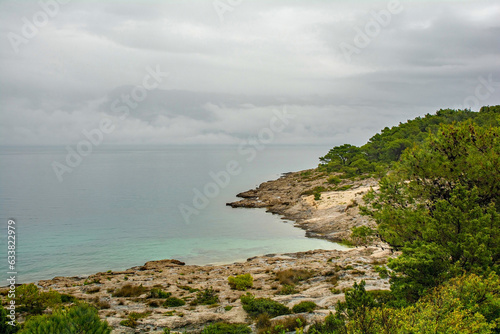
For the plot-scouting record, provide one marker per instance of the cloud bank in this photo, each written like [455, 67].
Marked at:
[231, 64]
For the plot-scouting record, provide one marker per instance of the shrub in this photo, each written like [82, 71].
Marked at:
[80, 318]
[65, 298]
[6, 328]
[293, 276]
[129, 290]
[361, 235]
[255, 306]
[101, 304]
[289, 324]
[382, 271]
[317, 196]
[30, 299]
[240, 282]
[206, 297]
[174, 302]
[154, 303]
[226, 328]
[263, 322]
[158, 293]
[305, 306]
[334, 180]
[287, 290]
[329, 325]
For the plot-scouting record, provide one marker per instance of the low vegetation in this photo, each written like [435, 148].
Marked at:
[241, 282]
[129, 290]
[206, 297]
[293, 276]
[256, 306]
[174, 302]
[159, 293]
[440, 206]
[304, 307]
[226, 328]
[80, 318]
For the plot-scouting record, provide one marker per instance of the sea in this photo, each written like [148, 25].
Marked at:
[121, 206]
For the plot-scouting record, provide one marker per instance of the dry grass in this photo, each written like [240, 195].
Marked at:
[129, 290]
[293, 276]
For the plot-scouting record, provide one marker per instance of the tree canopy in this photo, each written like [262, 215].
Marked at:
[386, 147]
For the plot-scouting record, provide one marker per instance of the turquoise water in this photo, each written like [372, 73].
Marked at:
[120, 208]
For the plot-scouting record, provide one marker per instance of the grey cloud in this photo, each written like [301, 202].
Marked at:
[226, 78]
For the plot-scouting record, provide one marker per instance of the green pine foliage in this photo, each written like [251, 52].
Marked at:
[80, 318]
[7, 325]
[440, 206]
[29, 298]
[386, 147]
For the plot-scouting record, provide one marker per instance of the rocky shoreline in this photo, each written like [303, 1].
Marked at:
[331, 217]
[331, 272]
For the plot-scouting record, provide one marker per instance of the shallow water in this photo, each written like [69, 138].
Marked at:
[120, 208]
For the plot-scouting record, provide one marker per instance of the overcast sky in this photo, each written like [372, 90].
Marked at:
[233, 64]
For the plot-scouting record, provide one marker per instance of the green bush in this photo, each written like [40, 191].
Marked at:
[226, 328]
[159, 293]
[317, 196]
[382, 271]
[32, 300]
[305, 306]
[174, 302]
[334, 180]
[129, 290]
[206, 297]
[5, 327]
[362, 235]
[80, 318]
[65, 298]
[240, 282]
[255, 306]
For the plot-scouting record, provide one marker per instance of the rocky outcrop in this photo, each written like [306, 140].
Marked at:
[331, 217]
[331, 272]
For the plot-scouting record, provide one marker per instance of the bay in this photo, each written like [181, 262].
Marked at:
[121, 207]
